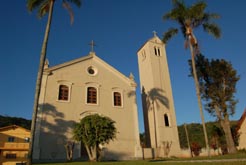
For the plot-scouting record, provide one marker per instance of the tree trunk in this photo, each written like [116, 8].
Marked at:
[225, 124]
[188, 140]
[198, 95]
[89, 152]
[92, 153]
[69, 146]
[39, 80]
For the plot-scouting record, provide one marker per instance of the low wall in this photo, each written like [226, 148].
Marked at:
[148, 153]
[204, 152]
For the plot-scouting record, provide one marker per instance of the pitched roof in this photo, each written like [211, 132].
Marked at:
[91, 55]
[69, 63]
[12, 127]
[154, 39]
[241, 120]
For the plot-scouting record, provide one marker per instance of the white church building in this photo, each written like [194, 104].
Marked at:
[89, 85]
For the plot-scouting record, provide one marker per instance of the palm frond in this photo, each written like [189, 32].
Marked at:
[169, 34]
[76, 2]
[43, 8]
[212, 16]
[67, 6]
[191, 17]
[196, 11]
[34, 4]
[177, 13]
[207, 18]
[212, 29]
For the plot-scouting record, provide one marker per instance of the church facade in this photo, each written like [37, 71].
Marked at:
[88, 85]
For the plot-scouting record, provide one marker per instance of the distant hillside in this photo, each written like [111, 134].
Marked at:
[195, 132]
[6, 121]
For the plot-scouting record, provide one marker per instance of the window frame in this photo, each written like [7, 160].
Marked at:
[117, 99]
[67, 84]
[10, 156]
[63, 94]
[157, 51]
[120, 91]
[96, 86]
[167, 122]
[11, 139]
[91, 95]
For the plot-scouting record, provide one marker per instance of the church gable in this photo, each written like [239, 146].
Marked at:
[88, 67]
[88, 81]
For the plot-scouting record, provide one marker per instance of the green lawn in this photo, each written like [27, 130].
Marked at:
[236, 159]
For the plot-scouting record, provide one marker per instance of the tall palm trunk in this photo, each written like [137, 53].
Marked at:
[198, 95]
[39, 80]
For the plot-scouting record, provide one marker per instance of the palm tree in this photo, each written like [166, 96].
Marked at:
[190, 18]
[44, 7]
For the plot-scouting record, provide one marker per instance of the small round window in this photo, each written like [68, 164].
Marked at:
[91, 70]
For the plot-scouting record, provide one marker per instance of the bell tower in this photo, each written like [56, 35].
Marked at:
[158, 106]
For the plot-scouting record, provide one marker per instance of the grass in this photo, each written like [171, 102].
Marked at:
[230, 159]
[150, 163]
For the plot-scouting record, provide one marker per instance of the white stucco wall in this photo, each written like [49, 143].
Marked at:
[58, 117]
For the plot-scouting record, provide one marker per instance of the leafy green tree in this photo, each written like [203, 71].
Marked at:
[92, 131]
[217, 80]
[44, 7]
[190, 18]
[194, 131]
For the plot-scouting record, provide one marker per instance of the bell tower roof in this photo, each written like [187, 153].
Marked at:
[155, 39]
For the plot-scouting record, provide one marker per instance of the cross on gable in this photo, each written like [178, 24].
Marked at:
[155, 33]
[92, 44]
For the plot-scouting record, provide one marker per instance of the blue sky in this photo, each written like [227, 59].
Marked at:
[119, 28]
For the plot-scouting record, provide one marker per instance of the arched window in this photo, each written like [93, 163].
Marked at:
[155, 51]
[63, 92]
[117, 99]
[91, 95]
[159, 53]
[166, 120]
